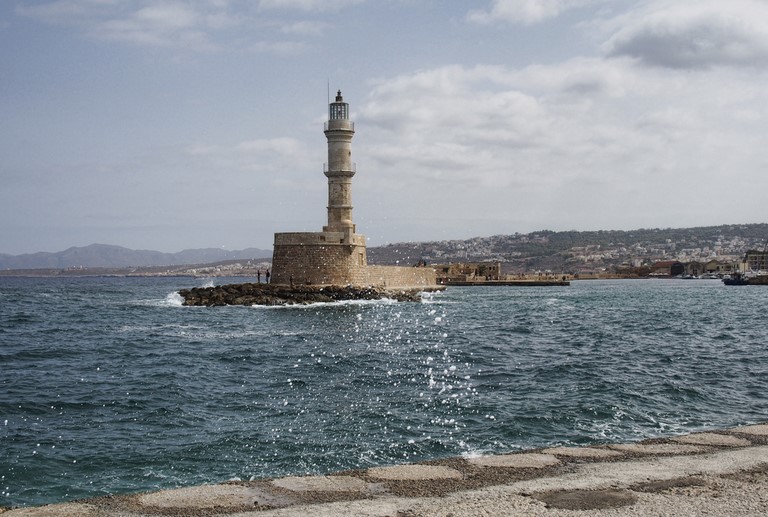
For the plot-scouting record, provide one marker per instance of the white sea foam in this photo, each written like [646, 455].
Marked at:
[341, 303]
[476, 453]
[173, 299]
[435, 297]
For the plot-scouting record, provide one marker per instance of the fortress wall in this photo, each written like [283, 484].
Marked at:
[318, 238]
[401, 277]
[318, 258]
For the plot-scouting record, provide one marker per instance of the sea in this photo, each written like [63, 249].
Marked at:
[111, 386]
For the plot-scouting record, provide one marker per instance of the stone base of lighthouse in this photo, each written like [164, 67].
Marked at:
[337, 258]
[319, 258]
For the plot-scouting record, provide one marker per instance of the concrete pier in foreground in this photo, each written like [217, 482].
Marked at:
[709, 473]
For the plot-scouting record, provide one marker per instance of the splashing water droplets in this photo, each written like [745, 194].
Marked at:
[250, 392]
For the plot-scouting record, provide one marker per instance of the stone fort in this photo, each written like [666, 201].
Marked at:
[337, 255]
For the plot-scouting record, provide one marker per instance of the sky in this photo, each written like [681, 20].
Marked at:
[168, 125]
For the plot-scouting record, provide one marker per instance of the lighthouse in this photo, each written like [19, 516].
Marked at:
[337, 255]
[340, 169]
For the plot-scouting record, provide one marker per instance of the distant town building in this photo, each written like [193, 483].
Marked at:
[668, 268]
[673, 268]
[720, 267]
[695, 268]
[468, 272]
[756, 260]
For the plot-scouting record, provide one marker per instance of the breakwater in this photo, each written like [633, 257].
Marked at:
[273, 294]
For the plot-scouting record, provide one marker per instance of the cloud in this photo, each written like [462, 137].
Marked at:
[200, 26]
[525, 12]
[448, 114]
[511, 115]
[581, 138]
[693, 34]
[168, 16]
[187, 25]
[308, 5]
[284, 155]
[284, 147]
[281, 48]
[306, 28]
[60, 11]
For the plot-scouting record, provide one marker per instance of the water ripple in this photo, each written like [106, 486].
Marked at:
[109, 385]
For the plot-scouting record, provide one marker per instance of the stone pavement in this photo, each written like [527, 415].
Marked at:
[712, 473]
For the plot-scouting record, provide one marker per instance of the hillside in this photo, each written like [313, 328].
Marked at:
[574, 251]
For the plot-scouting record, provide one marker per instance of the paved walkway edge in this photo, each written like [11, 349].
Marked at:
[710, 473]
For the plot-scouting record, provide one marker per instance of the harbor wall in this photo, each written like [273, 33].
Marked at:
[401, 276]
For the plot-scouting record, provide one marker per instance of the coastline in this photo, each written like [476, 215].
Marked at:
[708, 473]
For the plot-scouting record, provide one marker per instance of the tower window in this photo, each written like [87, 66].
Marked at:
[339, 110]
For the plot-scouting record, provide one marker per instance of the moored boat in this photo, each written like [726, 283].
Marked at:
[736, 279]
[742, 279]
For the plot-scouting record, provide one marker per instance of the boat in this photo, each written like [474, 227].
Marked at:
[736, 279]
[746, 279]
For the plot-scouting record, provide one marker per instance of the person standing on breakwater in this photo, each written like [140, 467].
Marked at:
[258, 276]
[267, 275]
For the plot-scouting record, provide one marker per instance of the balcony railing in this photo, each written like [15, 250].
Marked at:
[353, 169]
[350, 128]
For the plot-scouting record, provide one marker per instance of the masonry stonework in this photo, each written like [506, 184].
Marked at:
[320, 258]
[392, 277]
[337, 255]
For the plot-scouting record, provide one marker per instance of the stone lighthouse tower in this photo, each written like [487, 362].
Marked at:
[337, 255]
[339, 131]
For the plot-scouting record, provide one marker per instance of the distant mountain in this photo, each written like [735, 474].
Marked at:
[107, 256]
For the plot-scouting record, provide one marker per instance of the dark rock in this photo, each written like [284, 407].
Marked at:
[272, 294]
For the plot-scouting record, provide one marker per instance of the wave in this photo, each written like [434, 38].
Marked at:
[173, 299]
[340, 303]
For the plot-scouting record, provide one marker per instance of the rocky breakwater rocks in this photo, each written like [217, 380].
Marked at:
[272, 294]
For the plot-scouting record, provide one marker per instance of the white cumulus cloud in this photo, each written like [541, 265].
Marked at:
[524, 12]
[308, 5]
[545, 138]
[694, 34]
[198, 25]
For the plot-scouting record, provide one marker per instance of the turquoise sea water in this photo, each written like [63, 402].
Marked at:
[108, 385]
